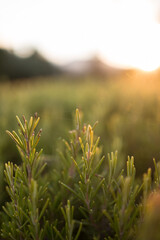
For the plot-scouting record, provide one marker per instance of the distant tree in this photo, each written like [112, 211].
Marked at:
[14, 67]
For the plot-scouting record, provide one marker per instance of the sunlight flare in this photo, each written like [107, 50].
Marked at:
[125, 33]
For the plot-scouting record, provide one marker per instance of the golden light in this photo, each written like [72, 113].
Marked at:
[133, 36]
[123, 32]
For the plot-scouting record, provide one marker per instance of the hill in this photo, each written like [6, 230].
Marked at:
[93, 66]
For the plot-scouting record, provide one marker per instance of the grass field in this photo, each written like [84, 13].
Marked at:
[127, 108]
[114, 197]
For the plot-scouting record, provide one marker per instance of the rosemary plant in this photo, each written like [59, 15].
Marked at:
[27, 193]
[81, 195]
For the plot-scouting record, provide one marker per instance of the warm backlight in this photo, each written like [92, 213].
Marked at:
[133, 35]
[125, 33]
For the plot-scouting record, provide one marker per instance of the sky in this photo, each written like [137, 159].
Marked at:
[124, 33]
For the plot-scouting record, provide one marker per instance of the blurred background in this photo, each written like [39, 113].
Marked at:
[100, 56]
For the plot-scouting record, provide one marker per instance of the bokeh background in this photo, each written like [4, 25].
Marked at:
[100, 56]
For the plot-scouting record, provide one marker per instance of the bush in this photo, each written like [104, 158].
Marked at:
[78, 194]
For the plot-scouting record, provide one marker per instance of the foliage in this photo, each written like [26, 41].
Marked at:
[80, 195]
[14, 67]
[27, 193]
[127, 110]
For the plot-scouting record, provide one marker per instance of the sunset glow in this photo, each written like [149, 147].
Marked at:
[134, 36]
[125, 33]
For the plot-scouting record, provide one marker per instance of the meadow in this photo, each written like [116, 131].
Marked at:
[127, 109]
[128, 112]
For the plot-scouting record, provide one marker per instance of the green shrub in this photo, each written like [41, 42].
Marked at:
[79, 194]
